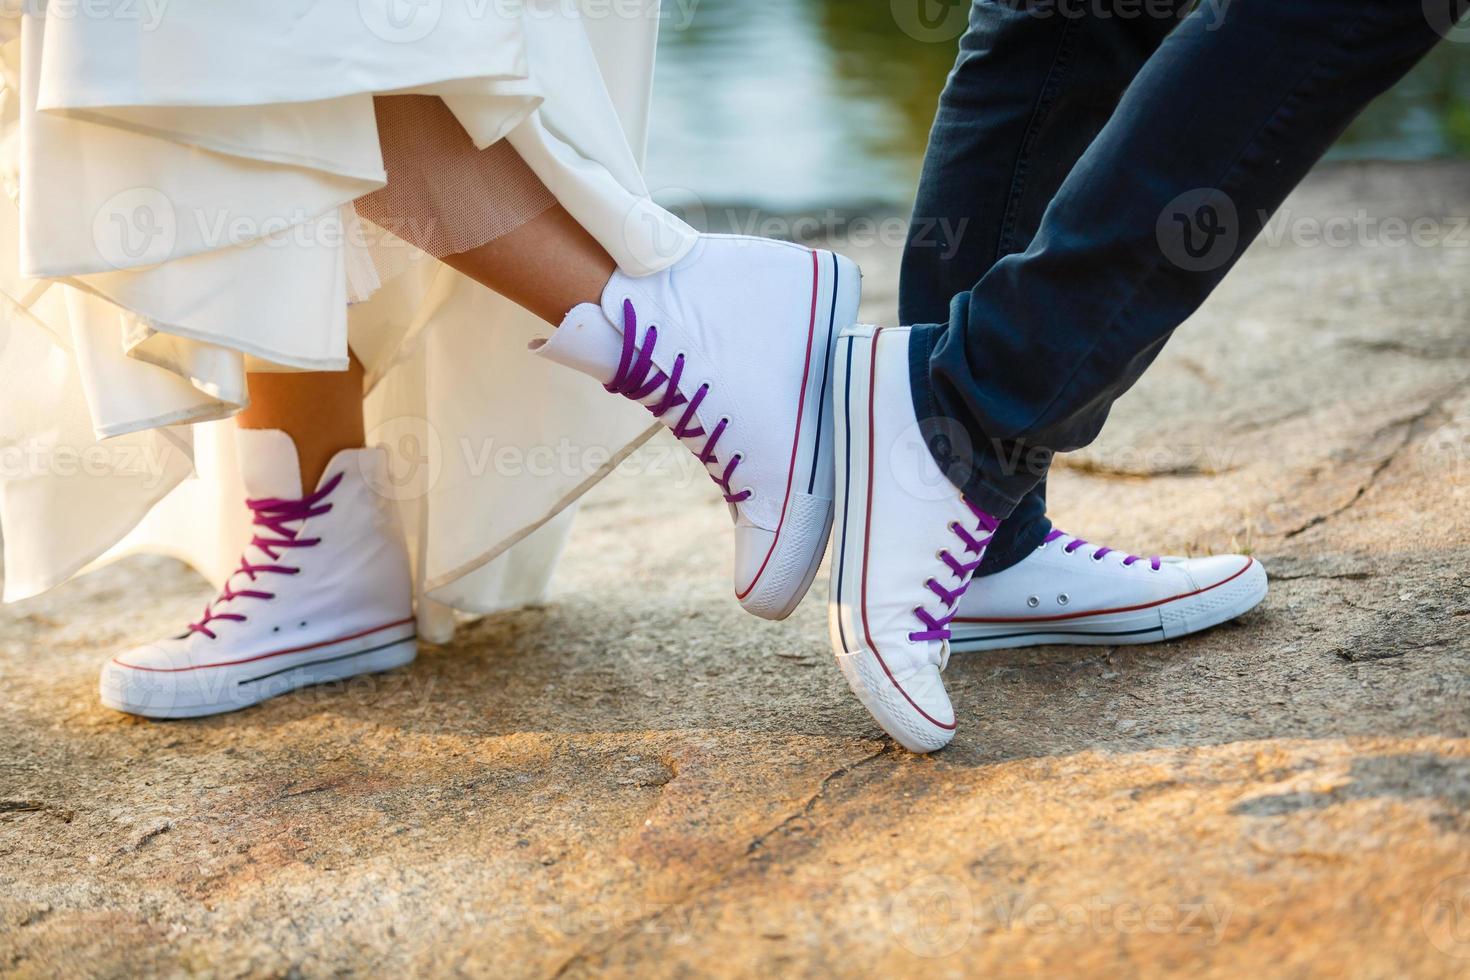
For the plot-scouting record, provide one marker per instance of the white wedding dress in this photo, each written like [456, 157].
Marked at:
[179, 213]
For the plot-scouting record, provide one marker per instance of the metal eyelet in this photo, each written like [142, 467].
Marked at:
[1063, 599]
[1098, 557]
[1034, 601]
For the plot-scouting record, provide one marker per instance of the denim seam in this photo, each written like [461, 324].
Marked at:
[1045, 101]
[1230, 170]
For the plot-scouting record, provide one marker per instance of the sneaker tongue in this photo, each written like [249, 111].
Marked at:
[586, 341]
[268, 464]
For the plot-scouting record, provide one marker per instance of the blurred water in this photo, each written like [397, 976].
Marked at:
[798, 104]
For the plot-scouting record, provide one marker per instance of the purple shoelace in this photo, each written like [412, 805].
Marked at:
[1101, 552]
[937, 627]
[273, 515]
[633, 382]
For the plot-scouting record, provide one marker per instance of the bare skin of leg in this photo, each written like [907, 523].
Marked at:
[548, 265]
[320, 410]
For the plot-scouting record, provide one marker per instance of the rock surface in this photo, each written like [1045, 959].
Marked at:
[639, 778]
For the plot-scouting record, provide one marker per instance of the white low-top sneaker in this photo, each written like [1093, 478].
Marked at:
[322, 593]
[731, 349]
[907, 544]
[1070, 591]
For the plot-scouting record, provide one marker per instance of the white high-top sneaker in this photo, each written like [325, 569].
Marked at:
[1069, 591]
[322, 593]
[907, 544]
[731, 349]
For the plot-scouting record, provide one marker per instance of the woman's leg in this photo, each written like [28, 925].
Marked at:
[548, 265]
[320, 410]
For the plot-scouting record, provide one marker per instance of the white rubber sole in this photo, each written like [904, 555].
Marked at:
[1165, 620]
[200, 691]
[806, 515]
[868, 675]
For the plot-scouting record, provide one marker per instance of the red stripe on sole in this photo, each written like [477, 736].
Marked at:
[1120, 609]
[266, 656]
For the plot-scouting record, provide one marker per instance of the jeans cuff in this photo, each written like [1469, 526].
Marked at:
[978, 488]
[922, 339]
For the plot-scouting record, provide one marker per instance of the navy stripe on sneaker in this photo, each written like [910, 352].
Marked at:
[331, 660]
[960, 641]
[826, 367]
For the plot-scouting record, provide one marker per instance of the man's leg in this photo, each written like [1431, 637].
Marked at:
[1035, 353]
[1032, 86]
[1222, 122]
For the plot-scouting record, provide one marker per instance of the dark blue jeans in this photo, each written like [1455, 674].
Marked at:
[1095, 169]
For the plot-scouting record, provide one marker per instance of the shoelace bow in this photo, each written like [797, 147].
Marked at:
[1101, 552]
[273, 515]
[937, 627]
[632, 381]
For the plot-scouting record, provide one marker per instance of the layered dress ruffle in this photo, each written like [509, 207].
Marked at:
[179, 213]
